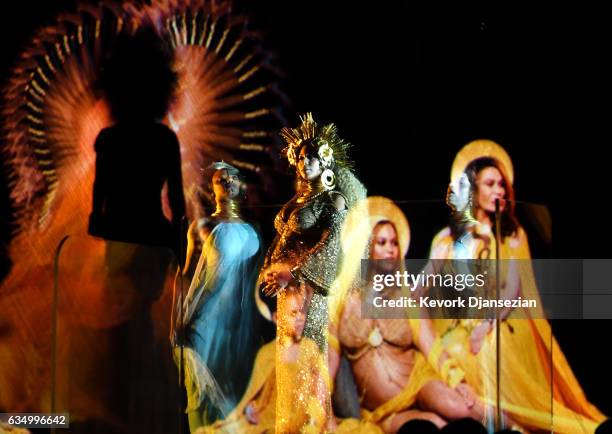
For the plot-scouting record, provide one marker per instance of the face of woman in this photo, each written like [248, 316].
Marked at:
[225, 185]
[293, 318]
[385, 248]
[308, 166]
[386, 245]
[490, 186]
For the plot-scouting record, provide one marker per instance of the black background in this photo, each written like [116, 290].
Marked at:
[408, 87]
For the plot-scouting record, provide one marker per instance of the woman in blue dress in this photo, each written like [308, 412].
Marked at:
[218, 317]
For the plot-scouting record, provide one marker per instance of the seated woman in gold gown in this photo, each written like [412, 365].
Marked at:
[388, 356]
[537, 387]
[299, 401]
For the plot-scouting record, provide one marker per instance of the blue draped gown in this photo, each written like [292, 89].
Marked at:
[220, 320]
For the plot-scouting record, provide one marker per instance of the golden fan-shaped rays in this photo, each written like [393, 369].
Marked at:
[226, 107]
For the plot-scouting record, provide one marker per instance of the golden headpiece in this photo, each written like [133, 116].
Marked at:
[221, 165]
[363, 218]
[331, 148]
[478, 149]
[383, 209]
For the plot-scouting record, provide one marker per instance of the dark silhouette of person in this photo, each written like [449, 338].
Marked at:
[137, 155]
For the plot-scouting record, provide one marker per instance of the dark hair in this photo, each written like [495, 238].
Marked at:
[137, 78]
[270, 301]
[311, 145]
[465, 425]
[384, 222]
[418, 426]
[508, 224]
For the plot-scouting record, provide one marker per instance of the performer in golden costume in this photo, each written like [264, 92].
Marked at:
[306, 253]
[388, 357]
[538, 389]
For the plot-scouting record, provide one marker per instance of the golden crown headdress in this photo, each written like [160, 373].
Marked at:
[331, 148]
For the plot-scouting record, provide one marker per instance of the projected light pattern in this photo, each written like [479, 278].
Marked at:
[227, 107]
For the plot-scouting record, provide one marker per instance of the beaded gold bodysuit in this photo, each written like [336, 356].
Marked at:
[308, 241]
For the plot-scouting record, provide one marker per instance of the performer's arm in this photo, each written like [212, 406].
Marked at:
[432, 346]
